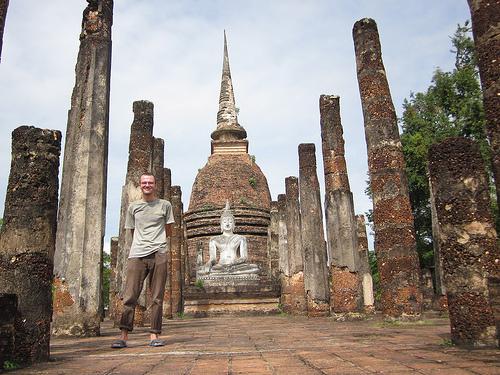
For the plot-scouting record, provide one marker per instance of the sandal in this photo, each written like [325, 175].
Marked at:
[157, 342]
[119, 344]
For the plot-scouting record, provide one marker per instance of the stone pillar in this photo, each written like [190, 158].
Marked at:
[298, 303]
[440, 288]
[167, 298]
[157, 165]
[346, 290]
[8, 316]
[468, 239]
[27, 240]
[112, 277]
[82, 210]
[313, 239]
[364, 269]
[485, 17]
[4, 4]
[395, 242]
[175, 250]
[283, 259]
[272, 241]
[139, 161]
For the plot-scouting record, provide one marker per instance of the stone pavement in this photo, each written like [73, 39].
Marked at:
[274, 345]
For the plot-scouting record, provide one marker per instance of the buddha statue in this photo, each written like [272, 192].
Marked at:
[232, 248]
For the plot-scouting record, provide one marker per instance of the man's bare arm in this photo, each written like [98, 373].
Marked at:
[168, 229]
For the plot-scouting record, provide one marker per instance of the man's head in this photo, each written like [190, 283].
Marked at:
[148, 186]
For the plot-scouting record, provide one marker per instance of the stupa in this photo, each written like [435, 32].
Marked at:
[230, 176]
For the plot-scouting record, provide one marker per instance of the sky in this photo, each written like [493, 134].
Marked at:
[283, 55]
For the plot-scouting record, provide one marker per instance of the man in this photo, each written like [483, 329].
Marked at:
[150, 220]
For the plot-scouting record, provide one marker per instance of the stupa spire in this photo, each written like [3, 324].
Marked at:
[227, 118]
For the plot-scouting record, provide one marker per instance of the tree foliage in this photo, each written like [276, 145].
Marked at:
[106, 274]
[451, 106]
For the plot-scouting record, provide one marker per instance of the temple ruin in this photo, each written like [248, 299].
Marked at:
[235, 250]
[230, 176]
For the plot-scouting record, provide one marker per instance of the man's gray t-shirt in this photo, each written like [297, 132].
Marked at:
[148, 220]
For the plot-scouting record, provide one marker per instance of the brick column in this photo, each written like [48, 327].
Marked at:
[82, 210]
[346, 290]
[27, 241]
[468, 240]
[313, 239]
[485, 16]
[395, 242]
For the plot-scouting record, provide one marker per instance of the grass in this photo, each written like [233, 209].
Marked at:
[447, 343]
[9, 365]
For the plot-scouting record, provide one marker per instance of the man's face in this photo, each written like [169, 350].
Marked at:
[148, 185]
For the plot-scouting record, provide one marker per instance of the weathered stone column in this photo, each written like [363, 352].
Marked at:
[272, 241]
[175, 250]
[486, 30]
[440, 288]
[346, 290]
[139, 160]
[364, 269]
[27, 239]
[157, 165]
[284, 261]
[468, 239]
[82, 210]
[112, 277]
[167, 298]
[313, 239]
[298, 303]
[8, 316]
[4, 4]
[395, 242]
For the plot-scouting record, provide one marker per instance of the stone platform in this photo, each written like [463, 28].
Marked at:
[235, 299]
[273, 345]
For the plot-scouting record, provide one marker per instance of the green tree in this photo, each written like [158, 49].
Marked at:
[451, 106]
[106, 273]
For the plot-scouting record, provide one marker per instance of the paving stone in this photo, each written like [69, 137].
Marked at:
[271, 345]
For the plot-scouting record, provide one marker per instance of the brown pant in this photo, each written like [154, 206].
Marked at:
[154, 266]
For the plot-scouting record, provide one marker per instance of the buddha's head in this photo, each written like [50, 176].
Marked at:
[227, 219]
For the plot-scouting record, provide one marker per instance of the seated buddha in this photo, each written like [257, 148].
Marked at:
[232, 249]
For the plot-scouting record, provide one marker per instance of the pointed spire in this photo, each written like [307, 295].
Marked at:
[227, 118]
